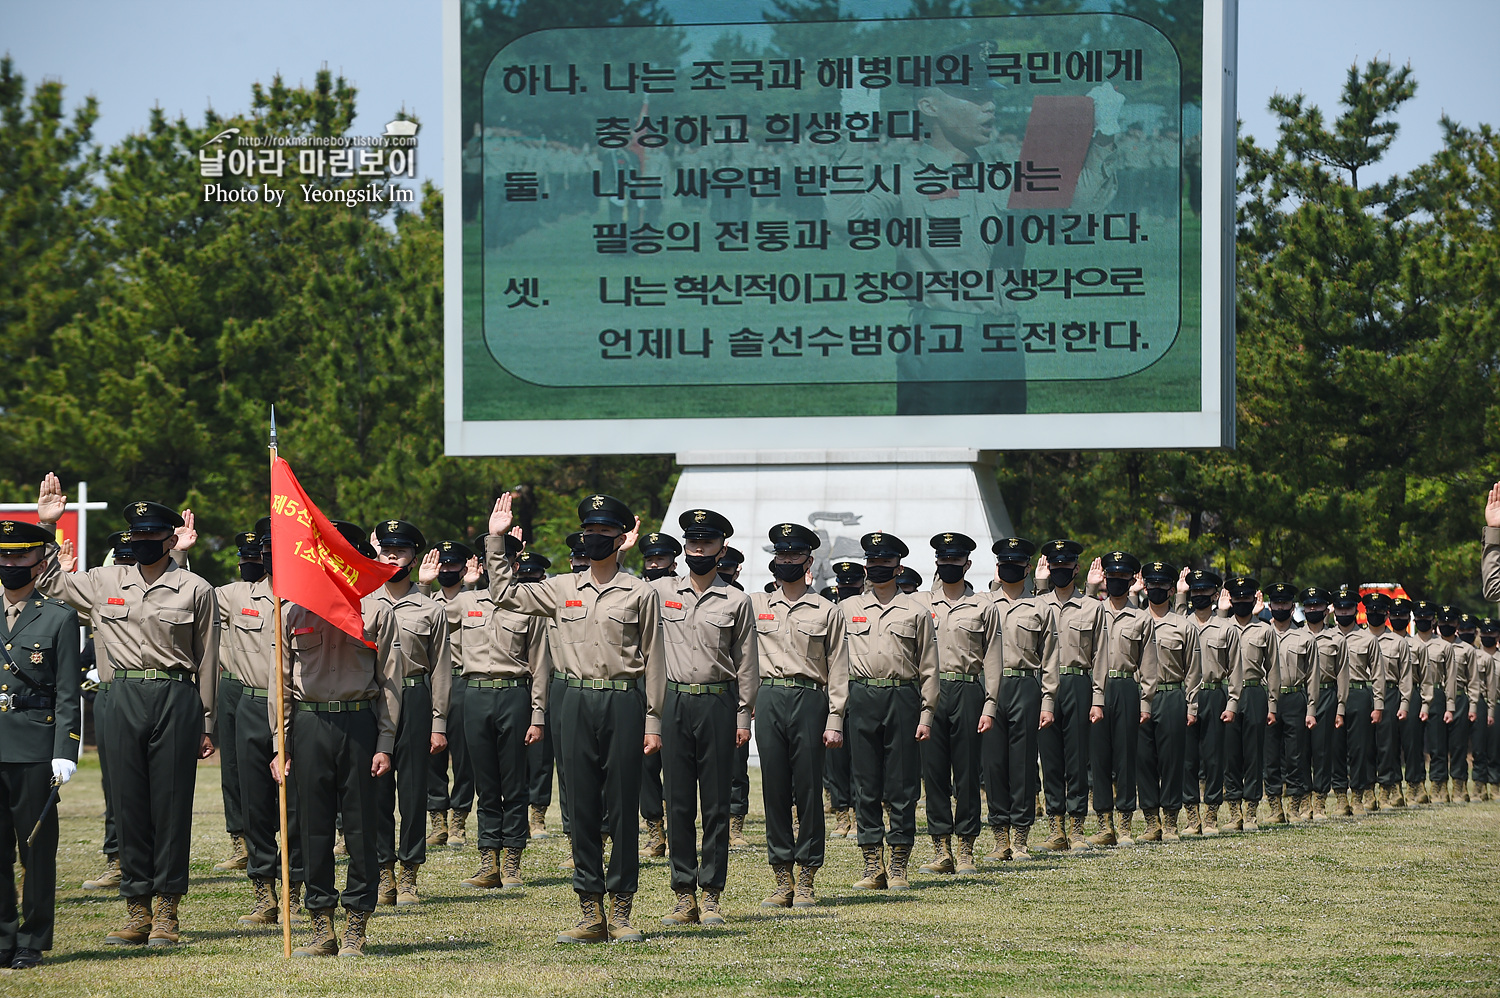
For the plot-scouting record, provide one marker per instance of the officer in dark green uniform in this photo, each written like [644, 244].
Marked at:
[849, 579]
[39, 738]
[659, 553]
[230, 689]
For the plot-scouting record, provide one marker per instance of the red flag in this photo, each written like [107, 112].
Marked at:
[312, 564]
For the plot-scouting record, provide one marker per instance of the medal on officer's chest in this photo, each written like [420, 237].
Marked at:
[36, 658]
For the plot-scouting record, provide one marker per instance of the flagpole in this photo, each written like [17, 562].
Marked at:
[278, 683]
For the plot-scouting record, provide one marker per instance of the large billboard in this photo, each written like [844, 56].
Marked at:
[994, 232]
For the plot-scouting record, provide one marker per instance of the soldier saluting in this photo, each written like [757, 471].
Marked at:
[161, 625]
[39, 738]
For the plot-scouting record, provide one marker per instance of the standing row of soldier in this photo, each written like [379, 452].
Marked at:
[1154, 709]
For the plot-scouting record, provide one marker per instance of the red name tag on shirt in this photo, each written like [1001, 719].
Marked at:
[476, 613]
[246, 611]
[296, 631]
[768, 616]
[574, 602]
[675, 606]
[861, 620]
[115, 601]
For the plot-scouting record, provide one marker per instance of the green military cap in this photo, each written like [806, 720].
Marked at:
[1448, 614]
[880, 544]
[144, 515]
[1401, 607]
[731, 559]
[1120, 561]
[1315, 594]
[1200, 579]
[399, 534]
[119, 545]
[1346, 595]
[951, 545]
[1489, 625]
[657, 543]
[1013, 549]
[574, 541]
[605, 510]
[531, 563]
[1467, 623]
[827, 592]
[1241, 587]
[248, 541]
[1062, 551]
[704, 525]
[849, 573]
[263, 530]
[1424, 609]
[18, 535]
[1378, 603]
[513, 546]
[1158, 571]
[356, 535]
[909, 577]
[793, 537]
[1281, 592]
[454, 553]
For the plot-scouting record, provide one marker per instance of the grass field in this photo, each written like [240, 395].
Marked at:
[1399, 903]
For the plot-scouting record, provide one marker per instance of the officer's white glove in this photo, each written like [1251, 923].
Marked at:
[63, 769]
[92, 675]
[1107, 104]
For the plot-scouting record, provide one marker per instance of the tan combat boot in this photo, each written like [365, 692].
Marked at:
[538, 822]
[110, 878]
[1278, 812]
[1057, 834]
[265, 910]
[963, 860]
[439, 834]
[784, 893]
[164, 928]
[294, 904]
[620, 930]
[1356, 799]
[323, 941]
[1193, 825]
[340, 847]
[1236, 822]
[895, 878]
[805, 895]
[1001, 852]
[737, 838]
[1125, 828]
[828, 807]
[458, 823]
[591, 927]
[1153, 825]
[355, 925]
[1169, 826]
[137, 927]
[1372, 801]
[874, 878]
[1105, 836]
[685, 912]
[239, 856]
[1211, 822]
[1019, 852]
[711, 913]
[406, 885]
[942, 856]
[487, 877]
[1077, 838]
[1445, 791]
[845, 826]
[1419, 793]
[1396, 795]
[1382, 796]
[1250, 823]
[510, 868]
[1345, 805]
[1320, 807]
[656, 841]
[1041, 804]
[385, 891]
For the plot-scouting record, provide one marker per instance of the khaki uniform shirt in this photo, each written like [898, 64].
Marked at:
[1360, 662]
[603, 632]
[500, 644]
[1489, 564]
[1028, 627]
[1493, 693]
[1174, 654]
[1330, 648]
[1416, 664]
[1257, 648]
[422, 645]
[1293, 667]
[893, 640]
[247, 632]
[1395, 653]
[1479, 676]
[1223, 660]
[1460, 676]
[710, 638]
[804, 639]
[968, 638]
[323, 664]
[1082, 632]
[1439, 660]
[172, 623]
[1130, 631]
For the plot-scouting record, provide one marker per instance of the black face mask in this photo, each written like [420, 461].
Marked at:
[1158, 595]
[1242, 608]
[1011, 571]
[1423, 626]
[1345, 619]
[1062, 576]
[1117, 587]
[449, 579]
[1281, 615]
[16, 576]
[787, 572]
[265, 560]
[1200, 601]
[252, 571]
[402, 572]
[149, 552]
[950, 573]
[652, 574]
[1447, 630]
[1399, 623]
[1314, 616]
[1374, 619]
[847, 592]
[1489, 641]
[597, 547]
[702, 564]
[880, 573]
[484, 584]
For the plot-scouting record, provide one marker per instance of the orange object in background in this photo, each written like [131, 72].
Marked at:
[1392, 589]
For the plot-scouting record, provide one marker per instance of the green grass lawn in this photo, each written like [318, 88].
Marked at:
[1399, 903]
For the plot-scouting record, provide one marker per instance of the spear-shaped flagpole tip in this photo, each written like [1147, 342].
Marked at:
[273, 427]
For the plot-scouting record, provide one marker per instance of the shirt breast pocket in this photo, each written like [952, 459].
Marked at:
[970, 632]
[812, 641]
[721, 627]
[572, 624]
[249, 624]
[307, 642]
[178, 624]
[674, 623]
[858, 627]
[622, 627]
[514, 635]
[1082, 633]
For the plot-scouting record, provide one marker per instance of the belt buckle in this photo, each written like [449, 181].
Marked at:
[595, 684]
[336, 707]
